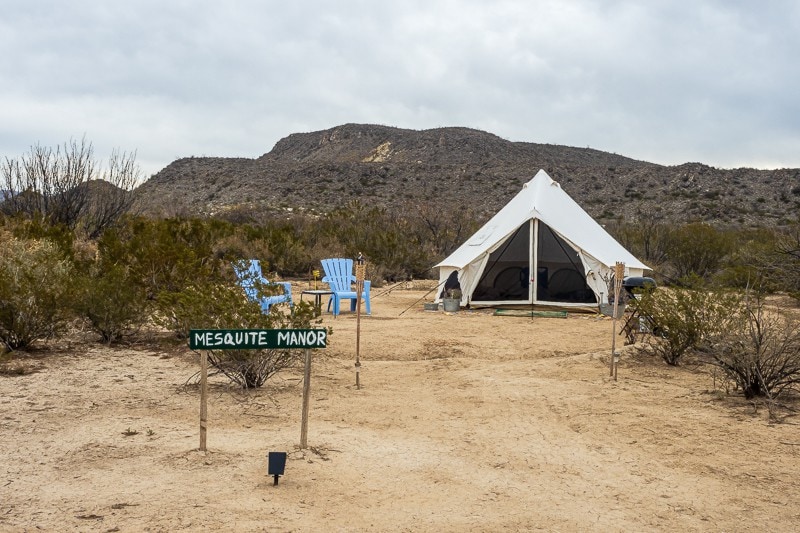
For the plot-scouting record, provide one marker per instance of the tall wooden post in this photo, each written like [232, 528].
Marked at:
[203, 398]
[619, 273]
[361, 268]
[306, 399]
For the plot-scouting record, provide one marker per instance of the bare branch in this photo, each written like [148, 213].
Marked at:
[64, 186]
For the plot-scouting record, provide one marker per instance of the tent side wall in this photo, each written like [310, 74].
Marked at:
[467, 277]
[598, 276]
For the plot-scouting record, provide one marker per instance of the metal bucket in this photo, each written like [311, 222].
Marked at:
[451, 305]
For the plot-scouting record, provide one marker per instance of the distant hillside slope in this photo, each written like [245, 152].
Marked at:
[454, 167]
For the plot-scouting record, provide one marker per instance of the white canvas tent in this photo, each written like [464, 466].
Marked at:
[540, 249]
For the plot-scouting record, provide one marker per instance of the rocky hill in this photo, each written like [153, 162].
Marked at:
[460, 167]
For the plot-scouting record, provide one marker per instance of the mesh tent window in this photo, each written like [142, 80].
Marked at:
[505, 275]
[565, 280]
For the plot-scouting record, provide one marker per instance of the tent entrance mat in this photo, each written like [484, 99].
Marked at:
[528, 312]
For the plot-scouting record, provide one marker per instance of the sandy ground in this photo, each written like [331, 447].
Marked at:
[465, 422]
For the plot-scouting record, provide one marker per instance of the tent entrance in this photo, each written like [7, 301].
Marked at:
[559, 277]
[507, 272]
[560, 271]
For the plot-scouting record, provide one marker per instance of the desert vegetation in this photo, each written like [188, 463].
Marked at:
[75, 256]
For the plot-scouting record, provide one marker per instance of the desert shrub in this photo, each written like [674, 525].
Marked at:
[786, 266]
[752, 262]
[647, 237]
[288, 252]
[683, 318]
[195, 307]
[11, 366]
[112, 303]
[397, 251]
[35, 289]
[37, 228]
[398, 244]
[761, 353]
[698, 249]
[164, 255]
[219, 306]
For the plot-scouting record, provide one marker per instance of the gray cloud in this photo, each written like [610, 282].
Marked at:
[668, 82]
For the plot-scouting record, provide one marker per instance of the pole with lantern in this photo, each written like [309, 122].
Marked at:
[619, 273]
[361, 268]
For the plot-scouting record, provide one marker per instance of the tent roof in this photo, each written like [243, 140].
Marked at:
[542, 198]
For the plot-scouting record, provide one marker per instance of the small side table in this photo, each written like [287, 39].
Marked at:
[318, 294]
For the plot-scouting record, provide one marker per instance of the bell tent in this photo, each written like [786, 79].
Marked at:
[540, 249]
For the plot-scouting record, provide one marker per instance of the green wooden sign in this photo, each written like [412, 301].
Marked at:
[256, 339]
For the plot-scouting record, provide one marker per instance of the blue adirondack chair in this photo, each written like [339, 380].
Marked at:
[340, 278]
[250, 277]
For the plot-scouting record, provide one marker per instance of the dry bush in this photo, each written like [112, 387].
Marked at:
[66, 186]
[761, 356]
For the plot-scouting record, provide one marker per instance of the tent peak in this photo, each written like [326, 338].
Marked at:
[539, 183]
[542, 176]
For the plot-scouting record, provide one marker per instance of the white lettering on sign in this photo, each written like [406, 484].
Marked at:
[302, 338]
[210, 338]
[258, 339]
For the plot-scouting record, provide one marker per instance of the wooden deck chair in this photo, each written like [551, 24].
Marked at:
[340, 278]
[248, 273]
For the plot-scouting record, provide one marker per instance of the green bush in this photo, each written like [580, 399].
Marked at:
[200, 306]
[219, 306]
[698, 250]
[787, 260]
[164, 255]
[753, 263]
[36, 228]
[35, 290]
[112, 303]
[683, 318]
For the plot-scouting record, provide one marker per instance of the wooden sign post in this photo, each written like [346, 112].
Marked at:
[203, 399]
[255, 339]
[619, 273]
[306, 399]
[361, 269]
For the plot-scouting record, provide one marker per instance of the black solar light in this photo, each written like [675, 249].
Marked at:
[276, 464]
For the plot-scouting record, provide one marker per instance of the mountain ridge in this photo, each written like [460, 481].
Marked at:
[393, 167]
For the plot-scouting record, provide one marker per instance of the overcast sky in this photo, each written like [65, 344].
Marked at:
[666, 81]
